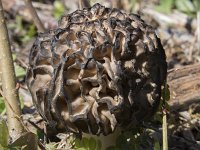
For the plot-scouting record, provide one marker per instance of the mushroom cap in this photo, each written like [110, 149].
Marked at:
[101, 68]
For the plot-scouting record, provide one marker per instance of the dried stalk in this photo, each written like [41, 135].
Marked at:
[164, 123]
[34, 15]
[8, 82]
[84, 4]
[164, 132]
[198, 29]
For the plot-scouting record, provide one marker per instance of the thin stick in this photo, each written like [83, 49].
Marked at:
[34, 15]
[198, 29]
[36, 126]
[164, 124]
[8, 82]
[84, 4]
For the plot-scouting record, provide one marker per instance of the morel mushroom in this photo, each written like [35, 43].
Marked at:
[101, 68]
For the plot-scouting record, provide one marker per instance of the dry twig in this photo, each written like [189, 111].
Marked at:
[198, 29]
[83, 4]
[164, 123]
[34, 15]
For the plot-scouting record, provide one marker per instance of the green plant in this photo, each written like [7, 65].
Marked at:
[51, 146]
[2, 107]
[24, 32]
[132, 4]
[3, 135]
[165, 6]
[157, 145]
[58, 9]
[165, 95]
[165, 98]
[133, 140]
[19, 71]
[190, 7]
[87, 144]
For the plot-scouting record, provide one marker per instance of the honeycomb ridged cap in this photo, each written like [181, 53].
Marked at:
[101, 68]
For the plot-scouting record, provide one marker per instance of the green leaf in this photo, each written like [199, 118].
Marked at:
[51, 146]
[92, 144]
[88, 144]
[29, 33]
[99, 145]
[157, 146]
[58, 9]
[19, 71]
[82, 144]
[132, 4]
[81, 148]
[19, 24]
[158, 117]
[85, 142]
[197, 4]
[185, 6]
[165, 6]
[3, 148]
[77, 143]
[21, 99]
[32, 30]
[2, 106]
[166, 93]
[14, 57]
[3, 134]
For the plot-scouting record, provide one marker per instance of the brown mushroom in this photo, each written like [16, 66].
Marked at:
[101, 68]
